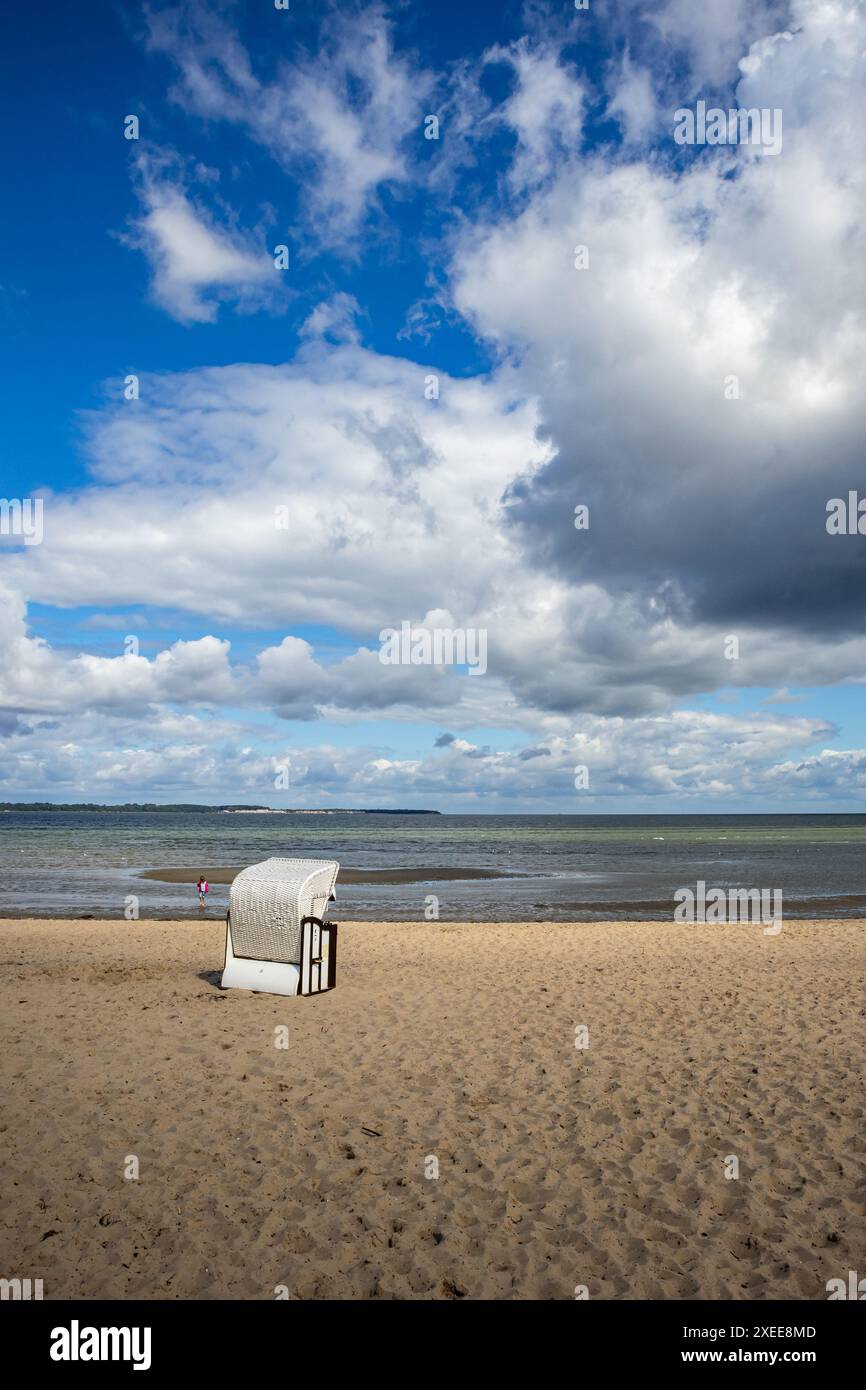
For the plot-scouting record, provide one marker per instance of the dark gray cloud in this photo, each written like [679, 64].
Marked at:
[729, 531]
[700, 376]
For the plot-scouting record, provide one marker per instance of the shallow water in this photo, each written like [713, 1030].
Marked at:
[572, 867]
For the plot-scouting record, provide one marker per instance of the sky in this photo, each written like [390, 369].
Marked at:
[322, 320]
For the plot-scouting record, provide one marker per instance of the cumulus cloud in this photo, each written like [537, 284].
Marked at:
[723, 304]
[137, 726]
[38, 679]
[380, 489]
[692, 759]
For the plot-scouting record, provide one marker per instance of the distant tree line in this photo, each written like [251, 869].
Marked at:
[193, 806]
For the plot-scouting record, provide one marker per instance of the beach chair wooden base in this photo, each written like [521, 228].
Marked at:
[316, 973]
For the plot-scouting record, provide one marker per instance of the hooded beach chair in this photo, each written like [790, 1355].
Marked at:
[277, 938]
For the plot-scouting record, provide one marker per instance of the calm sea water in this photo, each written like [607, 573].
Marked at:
[564, 867]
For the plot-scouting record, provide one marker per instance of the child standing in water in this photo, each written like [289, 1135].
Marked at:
[201, 888]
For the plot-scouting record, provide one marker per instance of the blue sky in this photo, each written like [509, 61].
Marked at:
[411, 260]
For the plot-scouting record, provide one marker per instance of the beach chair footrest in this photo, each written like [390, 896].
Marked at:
[268, 976]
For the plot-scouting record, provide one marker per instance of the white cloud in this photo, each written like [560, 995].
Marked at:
[713, 37]
[545, 111]
[689, 759]
[36, 679]
[341, 118]
[633, 102]
[196, 265]
[711, 508]
[382, 487]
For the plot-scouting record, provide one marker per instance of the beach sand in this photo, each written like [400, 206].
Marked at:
[442, 1044]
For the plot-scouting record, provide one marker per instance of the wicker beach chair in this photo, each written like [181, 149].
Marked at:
[277, 938]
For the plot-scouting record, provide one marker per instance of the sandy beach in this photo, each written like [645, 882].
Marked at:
[448, 1048]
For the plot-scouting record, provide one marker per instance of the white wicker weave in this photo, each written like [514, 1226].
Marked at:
[268, 900]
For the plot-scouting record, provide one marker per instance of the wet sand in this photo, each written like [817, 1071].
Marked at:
[432, 1131]
[415, 875]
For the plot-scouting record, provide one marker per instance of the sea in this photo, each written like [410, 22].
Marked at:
[547, 868]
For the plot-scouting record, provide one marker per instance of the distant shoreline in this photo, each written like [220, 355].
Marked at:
[7, 807]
